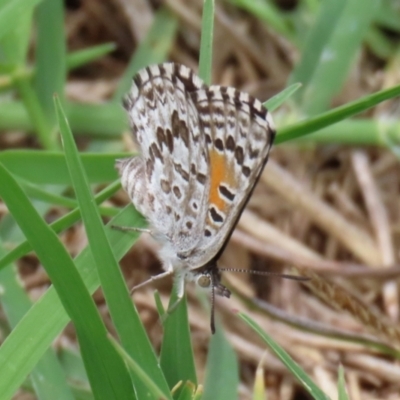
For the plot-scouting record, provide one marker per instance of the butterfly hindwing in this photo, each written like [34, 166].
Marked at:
[164, 123]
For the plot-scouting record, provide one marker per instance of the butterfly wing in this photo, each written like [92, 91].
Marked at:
[202, 151]
[239, 132]
[168, 181]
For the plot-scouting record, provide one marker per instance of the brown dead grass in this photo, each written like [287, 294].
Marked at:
[333, 211]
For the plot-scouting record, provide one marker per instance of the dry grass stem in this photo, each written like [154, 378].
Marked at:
[139, 15]
[266, 231]
[340, 299]
[185, 14]
[352, 237]
[322, 266]
[381, 225]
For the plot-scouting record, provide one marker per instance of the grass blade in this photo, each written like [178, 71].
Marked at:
[206, 43]
[268, 13]
[123, 313]
[82, 57]
[276, 101]
[293, 367]
[47, 317]
[11, 11]
[99, 120]
[319, 34]
[108, 375]
[50, 69]
[50, 167]
[61, 224]
[14, 46]
[335, 115]
[342, 385]
[176, 358]
[47, 377]
[222, 370]
[135, 367]
[338, 54]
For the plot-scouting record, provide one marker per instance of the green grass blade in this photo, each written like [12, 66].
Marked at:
[152, 50]
[35, 112]
[206, 43]
[293, 367]
[135, 367]
[37, 193]
[11, 11]
[176, 357]
[267, 12]
[338, 54]
[342, 385]
[47, 377]
[379, 43]
[61, 224]
[364, 132]
[47, 317]
[388, 16]
[276, 101]
[14, 46]
[319, 34]
[73, 366]
[335, 115]
[107, 120]
[108, 375]
[82, 57]
[222, 370]
[99, 120]
[50, 167]
[124, 315]
[50, 69]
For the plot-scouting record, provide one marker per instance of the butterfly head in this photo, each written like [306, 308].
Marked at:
[209, 278]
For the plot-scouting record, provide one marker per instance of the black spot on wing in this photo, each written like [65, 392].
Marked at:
[179, 128]
[165, 186]
[225, 192]
[246, 171]
[201, 178]
[219, 144]
[239, 155]
[177, 192]
[218, 218]
[155, 153]
[230, 143]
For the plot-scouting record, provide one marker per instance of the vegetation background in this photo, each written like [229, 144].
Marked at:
[326, 205]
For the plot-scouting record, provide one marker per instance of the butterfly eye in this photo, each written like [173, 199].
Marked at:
[204, 281]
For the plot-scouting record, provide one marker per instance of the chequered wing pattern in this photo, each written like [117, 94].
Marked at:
[201, 152]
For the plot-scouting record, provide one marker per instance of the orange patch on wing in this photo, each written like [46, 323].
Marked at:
[221, 171]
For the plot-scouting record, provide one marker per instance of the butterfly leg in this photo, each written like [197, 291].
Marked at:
[152, 279]
[132, 229]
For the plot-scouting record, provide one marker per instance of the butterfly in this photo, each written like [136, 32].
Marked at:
[202, 151]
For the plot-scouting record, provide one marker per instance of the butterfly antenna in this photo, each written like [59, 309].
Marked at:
[266, 273]
[212, 322]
